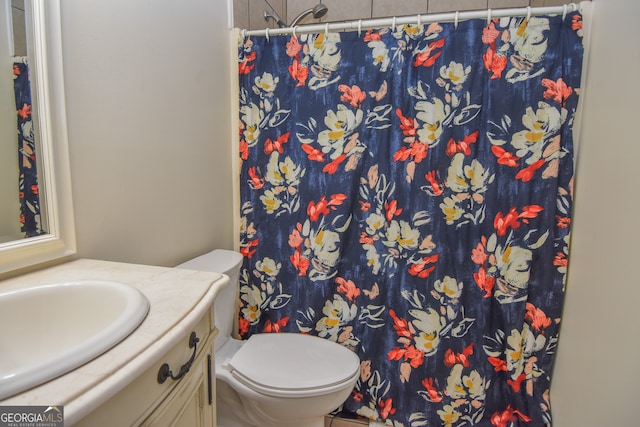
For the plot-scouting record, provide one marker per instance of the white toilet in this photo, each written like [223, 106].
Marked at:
[272, 380]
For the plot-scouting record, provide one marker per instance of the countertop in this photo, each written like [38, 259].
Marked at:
[178, 299]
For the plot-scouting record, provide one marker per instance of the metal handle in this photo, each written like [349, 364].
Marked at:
[165, 370]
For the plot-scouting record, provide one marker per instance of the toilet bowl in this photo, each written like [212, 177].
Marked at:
[272, 380]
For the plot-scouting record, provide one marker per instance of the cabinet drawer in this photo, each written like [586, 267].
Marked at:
[139, 399]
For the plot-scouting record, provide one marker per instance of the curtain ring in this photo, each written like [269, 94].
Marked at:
[294, 31]
[564, 11]
[359, 27]
[455, 20]
[266, 33]
[326, 29]
[419, 20]
[393, 24]
[242, 33]
[528, 13]
[488, 17]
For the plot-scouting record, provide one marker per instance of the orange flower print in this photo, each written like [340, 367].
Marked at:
[300, 262]
[256, 181]
[348, 288]
[25, 111]
[561, 260]
[386, 408]
[420, 268]
[298, 72]
[352, 95]
[332, 167]
[478, 255]
[276, 327]
[463, 146]
[392, 210]
[293, 47]
[436, 187]
[484, 282]
[527, 173]
[576, 23]
[247, 250]
[506, 417]
[371, 36]
[536, 317]
[407, 124]
[313, 153]
[429, 56]
[451, 358]
[324, 206]
[558, 90]
[511, 220]
[243, 325]
[277, 145]
[504, 157]
[494, 62]
[433, 395]
[562, 221]
[247, 63]
[244, 150]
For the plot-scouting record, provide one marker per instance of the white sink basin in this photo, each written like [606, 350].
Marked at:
[46, 331]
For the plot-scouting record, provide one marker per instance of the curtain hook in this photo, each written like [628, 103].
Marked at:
[393, 24]
[564, 11]
[488, 17]
[266, 33]
[359, 27]
[528, 13]
[294, 31]
[455, 20]
[419, 20]
[326, 29]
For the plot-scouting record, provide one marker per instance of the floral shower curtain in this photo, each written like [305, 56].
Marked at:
[407, 193]
[28, 179]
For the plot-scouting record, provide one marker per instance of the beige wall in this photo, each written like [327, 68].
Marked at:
[148, 99]
[248, 13]
[596, 376]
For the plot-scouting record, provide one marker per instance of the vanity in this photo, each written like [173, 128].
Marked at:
[161, 373]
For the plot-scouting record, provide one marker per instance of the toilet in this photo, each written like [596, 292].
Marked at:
[272, 380]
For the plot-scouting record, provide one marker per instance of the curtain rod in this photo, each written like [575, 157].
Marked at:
[363, 24]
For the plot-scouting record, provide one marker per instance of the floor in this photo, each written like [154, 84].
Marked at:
[338, 421]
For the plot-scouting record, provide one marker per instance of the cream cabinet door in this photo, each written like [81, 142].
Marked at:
[192, 402]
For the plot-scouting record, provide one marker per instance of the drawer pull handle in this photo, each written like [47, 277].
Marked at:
[165, 370]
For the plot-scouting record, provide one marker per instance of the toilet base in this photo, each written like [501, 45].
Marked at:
[226, 418]
[231, 413]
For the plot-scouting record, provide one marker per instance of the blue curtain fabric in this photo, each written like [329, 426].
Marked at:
[28, 179]
[406, 192]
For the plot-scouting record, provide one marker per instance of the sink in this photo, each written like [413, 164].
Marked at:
[49, 330]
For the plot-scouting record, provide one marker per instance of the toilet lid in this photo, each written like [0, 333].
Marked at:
[290, 362]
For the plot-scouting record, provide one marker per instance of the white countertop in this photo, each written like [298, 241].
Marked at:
[178, 299]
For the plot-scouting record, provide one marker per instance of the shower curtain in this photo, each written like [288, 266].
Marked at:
[406, 192]
[28, 179]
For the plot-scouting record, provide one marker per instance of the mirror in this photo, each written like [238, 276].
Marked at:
[51, 206]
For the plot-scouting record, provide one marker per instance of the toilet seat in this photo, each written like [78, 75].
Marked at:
[293, 365]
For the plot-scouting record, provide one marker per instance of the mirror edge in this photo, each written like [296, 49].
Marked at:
[54, 149]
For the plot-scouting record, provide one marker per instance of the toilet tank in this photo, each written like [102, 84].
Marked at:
[224, 306]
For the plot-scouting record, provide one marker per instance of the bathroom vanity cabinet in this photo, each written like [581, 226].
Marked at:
[129, 384]
[188, 401]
